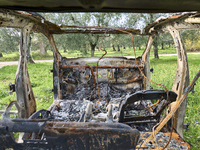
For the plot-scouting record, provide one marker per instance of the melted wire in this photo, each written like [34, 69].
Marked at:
[93, 76]
[97, 68]
[155, 103]
[170, 137]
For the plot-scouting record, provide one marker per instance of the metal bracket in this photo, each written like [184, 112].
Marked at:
[11, 87]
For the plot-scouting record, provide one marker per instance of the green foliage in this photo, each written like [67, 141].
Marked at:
[191, 39]
[9, 39]
[84, 43]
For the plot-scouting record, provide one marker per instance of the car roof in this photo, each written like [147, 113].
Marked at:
[142, 6]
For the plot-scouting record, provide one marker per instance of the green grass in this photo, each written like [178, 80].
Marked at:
[41, 81]
[164, 72]
[76, 53]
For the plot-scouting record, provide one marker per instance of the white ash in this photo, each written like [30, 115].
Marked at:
[161, 140]
[70, 110]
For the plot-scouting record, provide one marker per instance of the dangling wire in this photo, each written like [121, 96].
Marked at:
[166, 90]
[97, 68]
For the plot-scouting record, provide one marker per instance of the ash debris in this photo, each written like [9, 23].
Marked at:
[161, 141]
[86, 91]
[74, 107]
[70, 110]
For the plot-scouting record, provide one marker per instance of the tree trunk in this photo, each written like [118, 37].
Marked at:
[169, 45]
[139, 47]
[113, 47]
[1, 55]
[28, 53]
[155, 49]
[42, 48]
[65, 50]
[118, 48]
[124, 47]
[84, 48]
[92, 49]
[162, 45]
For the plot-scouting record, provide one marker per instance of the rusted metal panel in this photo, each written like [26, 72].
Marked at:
[57, 76]
[101, 66]
[145, 58]
[181, 79]
[185, 21]
[92, 135]
[65, 135]
[23, 87]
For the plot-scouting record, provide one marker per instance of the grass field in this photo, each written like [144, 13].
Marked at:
[164, 72]
[76, 53]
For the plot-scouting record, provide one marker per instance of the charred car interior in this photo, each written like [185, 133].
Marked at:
[105, 106]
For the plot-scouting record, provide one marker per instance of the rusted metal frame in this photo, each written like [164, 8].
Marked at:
[7, 111]
[11, 112]
[145, 58]
[174, 107]
[57, 71]
[181, 79]
[16, 19]
[140, 122]
[182, 75]
[158, 25]
[179, 22]
[100, 27]
[71, 31]
[146, 95]
[25, 97]
[63, 134]
[19, 20]
[141, 118]
[186, 26]
[10, 19]
[101, 66]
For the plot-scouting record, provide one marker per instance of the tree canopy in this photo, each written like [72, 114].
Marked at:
[87, 43]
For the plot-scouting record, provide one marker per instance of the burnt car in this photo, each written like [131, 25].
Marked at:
[103, 106]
